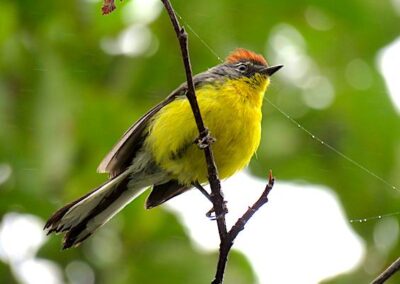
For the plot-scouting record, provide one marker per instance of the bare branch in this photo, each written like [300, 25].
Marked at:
[215, 184]
[226, 243]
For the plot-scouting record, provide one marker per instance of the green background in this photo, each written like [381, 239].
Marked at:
[64, 102]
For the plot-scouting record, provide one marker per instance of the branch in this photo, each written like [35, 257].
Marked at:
[204, 137]
[226, 243]
[389, 272]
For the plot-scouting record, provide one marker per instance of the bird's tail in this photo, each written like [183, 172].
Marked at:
[80, 218]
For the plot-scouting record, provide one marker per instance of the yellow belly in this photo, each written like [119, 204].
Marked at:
[233, 119]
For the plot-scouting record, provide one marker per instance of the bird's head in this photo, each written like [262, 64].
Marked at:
[246, 68]
[245, 63]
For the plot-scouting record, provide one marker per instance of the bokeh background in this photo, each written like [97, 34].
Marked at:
[72, 80]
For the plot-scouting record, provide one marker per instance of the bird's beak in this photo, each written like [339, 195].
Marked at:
[271, 70]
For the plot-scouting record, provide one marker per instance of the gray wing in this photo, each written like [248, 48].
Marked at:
[122, 154]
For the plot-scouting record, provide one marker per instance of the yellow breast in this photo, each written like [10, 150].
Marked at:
[232, 113]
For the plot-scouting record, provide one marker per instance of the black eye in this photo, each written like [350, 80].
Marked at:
[242, 68]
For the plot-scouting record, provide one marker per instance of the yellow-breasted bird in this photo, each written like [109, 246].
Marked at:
[159, 149]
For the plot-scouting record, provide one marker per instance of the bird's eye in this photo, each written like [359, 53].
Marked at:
[242, 68]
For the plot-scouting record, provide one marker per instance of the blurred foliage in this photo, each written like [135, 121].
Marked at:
[65, 100]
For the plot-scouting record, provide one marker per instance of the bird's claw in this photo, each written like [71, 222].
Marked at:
[205, 140]
[211, 213]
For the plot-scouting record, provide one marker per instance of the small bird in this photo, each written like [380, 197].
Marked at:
[159, 150]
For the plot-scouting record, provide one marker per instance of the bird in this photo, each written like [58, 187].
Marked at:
[159, 150]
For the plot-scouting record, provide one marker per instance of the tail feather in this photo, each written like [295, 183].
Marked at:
[80, 218]
[52, 223]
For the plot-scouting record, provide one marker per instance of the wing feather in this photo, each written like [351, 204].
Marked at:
[125, 149]
[122, 154]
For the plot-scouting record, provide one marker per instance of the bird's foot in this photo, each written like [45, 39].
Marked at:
[211, 213]
[205, 139]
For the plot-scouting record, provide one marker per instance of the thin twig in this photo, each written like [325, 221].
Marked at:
[226, 243]
[241, 222]
[215, 184]
[389, 272]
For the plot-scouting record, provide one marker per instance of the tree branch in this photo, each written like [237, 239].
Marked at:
[389, 272]
[204, 138]
[226, 243]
